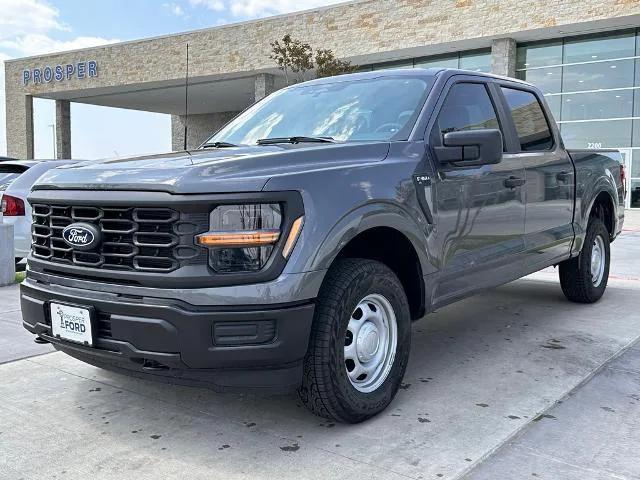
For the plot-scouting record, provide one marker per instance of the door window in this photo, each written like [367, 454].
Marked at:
[467, 107]
[531, 124]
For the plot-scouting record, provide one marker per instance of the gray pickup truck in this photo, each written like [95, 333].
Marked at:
[293, 249]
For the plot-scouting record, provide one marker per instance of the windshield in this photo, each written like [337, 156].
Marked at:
[374, 109]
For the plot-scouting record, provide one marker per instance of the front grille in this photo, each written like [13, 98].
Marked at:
[133, 238]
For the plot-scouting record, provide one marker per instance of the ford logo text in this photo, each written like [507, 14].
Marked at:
[81, 236]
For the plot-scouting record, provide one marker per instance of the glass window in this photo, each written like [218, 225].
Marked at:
[467, 107]
[6, 179]
[549, 80]
[555, 105]
[357, 110]
[634, 172]
[603, 134]
[636, 135]
[598, 76]
[531, 124]
[636, 97]
[586, 106]
[476, 62]
[398, 64]
[438, 62]
[539, 55]
[600, 48]
[635, 193]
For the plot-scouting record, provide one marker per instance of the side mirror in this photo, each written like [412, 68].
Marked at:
[469, 148]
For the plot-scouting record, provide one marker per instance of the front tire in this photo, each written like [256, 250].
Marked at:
[584, 278]
[359, 344]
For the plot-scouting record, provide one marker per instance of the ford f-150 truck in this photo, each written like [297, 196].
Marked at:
[293, 249]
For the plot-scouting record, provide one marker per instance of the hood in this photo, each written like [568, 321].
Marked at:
[222, 170]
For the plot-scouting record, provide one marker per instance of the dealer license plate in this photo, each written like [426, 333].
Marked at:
[71, 323]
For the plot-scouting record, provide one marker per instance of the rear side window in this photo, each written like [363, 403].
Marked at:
[531, 124]
[467, 107]
[8, 173]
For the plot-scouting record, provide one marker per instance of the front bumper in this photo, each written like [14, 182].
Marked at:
[251, 348]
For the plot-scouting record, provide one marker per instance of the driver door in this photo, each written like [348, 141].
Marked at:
[479, 210]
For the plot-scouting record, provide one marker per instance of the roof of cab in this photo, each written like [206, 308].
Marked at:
[409, 72]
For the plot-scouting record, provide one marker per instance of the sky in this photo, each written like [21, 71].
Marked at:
[35, 27]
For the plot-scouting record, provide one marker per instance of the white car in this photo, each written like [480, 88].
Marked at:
[16, 179]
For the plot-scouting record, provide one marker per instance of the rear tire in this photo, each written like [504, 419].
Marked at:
[584, 278]
[359, 344]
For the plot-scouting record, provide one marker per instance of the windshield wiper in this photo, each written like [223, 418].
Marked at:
[300, 139]
[219, 145]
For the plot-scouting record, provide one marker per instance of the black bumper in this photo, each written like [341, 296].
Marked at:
[224, 348]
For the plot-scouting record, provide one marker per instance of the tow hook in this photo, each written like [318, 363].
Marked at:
[40, 341]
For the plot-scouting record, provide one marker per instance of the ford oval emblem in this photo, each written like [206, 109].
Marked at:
[81, 236]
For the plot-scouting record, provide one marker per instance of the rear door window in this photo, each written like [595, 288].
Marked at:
[529, 119]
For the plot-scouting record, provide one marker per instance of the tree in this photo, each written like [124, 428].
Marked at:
[292, 56]
[296, 57]
[327, 65]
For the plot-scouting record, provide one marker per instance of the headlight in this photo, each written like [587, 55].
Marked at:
[243, 237]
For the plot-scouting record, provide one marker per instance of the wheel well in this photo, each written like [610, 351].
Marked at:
[603, 209]
[394, 249]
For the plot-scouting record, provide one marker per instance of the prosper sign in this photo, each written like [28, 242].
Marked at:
[59, 73]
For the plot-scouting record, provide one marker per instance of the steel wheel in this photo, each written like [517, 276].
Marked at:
[370, 343]
[597, 260]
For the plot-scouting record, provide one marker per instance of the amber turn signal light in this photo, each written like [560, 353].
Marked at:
[296, 228]
[255, 238]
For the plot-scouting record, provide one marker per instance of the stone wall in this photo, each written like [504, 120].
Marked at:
[199, 128]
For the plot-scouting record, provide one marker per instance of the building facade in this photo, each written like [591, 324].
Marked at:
[583, 54]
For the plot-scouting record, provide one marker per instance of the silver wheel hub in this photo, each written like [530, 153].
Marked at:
[370, 343]
[598, 260]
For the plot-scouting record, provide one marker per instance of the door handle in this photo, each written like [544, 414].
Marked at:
[513, 182]
[563, 176]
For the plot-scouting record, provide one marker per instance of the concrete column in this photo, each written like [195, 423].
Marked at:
[199, 128]
[63, 129]
[264, 85]
[503, 57]
[7, 255]
[19, 108]
[177, 133]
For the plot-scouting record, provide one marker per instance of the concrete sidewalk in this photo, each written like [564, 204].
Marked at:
[592, 434]
[15, 342]
[480, 375]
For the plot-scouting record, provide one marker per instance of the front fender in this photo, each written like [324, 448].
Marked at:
[366, 217]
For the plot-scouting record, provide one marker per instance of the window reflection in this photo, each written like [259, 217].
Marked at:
[554, 102]
[635, 193]
[467, 107]
[600, 47]
[399, 64]
[602, 134]
[594, 76]
[635, 165]
[539, 55]
[476, 62]
[584, 106]
[530, 122]
[549, 80]
[440, 62]
[636, 135]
